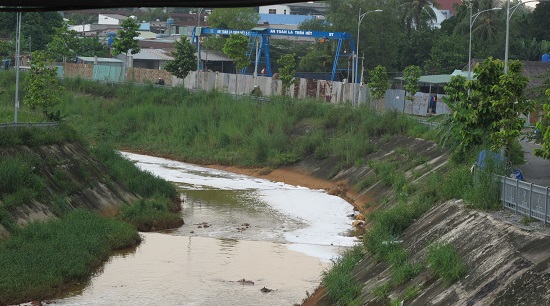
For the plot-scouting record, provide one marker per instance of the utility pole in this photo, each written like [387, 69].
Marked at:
[17, 63]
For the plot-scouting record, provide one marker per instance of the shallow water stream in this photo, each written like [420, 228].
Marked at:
[270, 234]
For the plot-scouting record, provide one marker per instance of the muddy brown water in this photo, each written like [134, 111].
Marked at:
[187, 270]
[230, 234]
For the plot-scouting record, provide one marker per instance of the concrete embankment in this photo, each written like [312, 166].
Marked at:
[508, 263]
[71, 174]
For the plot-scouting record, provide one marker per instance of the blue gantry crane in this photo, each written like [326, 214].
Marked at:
[259, 39]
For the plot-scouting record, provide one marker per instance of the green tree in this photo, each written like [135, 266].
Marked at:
[449, 52]
[82, 18]
[544, 127]
[152, 14]
[185, 59]
[125, 41]
[380, 32]
[416, 14]
[91, 46]
[244, 18]
[411, 75]
[313, 25]
[65, 43]
[42, 88]
[414, 48]
[527, 49]
[38, 29]
[229, 18]
[316, 60]
[487, 109]
[378, 83]
[235, 47]
[539, 21]
[287, 70]
[508, 102]
[6, 48]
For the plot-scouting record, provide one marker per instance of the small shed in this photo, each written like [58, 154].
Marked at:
[149, 58]
[434, 84]
[104, 69]
[104, 61]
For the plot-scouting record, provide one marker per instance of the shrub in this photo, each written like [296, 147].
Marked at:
[339, 283]
[443, 259]
[151, 214]
[42, 258]
[143, 183]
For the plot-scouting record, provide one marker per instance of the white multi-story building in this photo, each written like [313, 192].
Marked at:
[111, 19]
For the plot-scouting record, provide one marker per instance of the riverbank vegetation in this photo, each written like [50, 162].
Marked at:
[40, 259]
[213, 127]
[217, 128]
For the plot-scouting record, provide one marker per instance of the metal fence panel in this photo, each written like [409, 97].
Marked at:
[525, 198]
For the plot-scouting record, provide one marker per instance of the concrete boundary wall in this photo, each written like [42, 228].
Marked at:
[323, 90]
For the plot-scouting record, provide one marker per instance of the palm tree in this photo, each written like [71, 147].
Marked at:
[417, 13]
[487, 24]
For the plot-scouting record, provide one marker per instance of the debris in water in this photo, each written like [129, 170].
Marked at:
[245, 282]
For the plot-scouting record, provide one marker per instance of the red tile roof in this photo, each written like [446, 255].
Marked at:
[447, 5]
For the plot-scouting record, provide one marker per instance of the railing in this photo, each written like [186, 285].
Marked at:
[28, 124]
[430, 124]
[525, 198]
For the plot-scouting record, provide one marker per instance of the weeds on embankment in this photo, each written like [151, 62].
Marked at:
[387, 224]
[339, 282]
[216, 127]
[42, 258]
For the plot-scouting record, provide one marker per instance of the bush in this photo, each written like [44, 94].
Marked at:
[42, 258]
[142, 183]
[445, 262]
[340, 286]
[151, 214]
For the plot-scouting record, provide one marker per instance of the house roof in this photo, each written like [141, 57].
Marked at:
[433, 79]
[447, 5]
[99, 59]
[153, 54]
[214, 56]
[283, 19]
[309, 7]
[116, 16]
[165, 44]
[534, 70]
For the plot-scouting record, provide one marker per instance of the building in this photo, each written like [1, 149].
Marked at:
[147, 58]
[111, 19]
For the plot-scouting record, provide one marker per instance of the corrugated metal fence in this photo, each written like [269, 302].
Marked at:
[525, 198]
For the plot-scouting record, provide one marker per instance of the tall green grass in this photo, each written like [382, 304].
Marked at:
[138, 181]
[340, 285]
[34, 136]
[151, 214]
[444, 260]
[19, 182]
[216, 127]
[43, 258]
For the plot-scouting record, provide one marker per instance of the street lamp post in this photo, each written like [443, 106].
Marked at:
[472, 20]
[17, 63]
[198, 49]
[356, 55]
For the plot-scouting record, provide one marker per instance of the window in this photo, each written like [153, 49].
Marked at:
[272, 11]
[284, 12]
